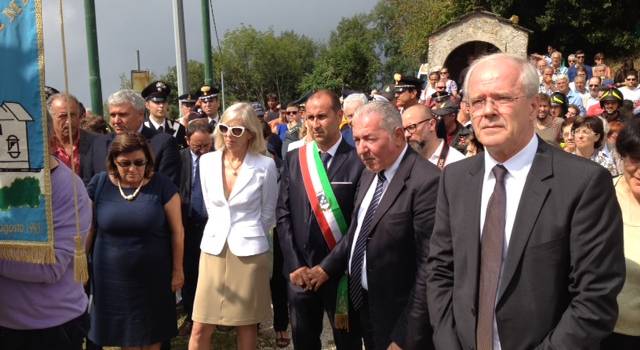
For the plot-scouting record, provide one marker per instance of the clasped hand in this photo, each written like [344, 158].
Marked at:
[309, 278]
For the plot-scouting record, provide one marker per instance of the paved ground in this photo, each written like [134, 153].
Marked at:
[266, 339]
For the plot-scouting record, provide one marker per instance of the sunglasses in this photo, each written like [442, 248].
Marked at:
[235, 131]
[290, 113]
[127, 163]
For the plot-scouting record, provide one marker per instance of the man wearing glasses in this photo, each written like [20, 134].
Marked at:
[420, 129]
[572, 71]
[526, 250]
[631, 90]
[594, 93]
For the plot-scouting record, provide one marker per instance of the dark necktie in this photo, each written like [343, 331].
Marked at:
[356, 291]
[161, 129]
[326, 157]
[492, 244]
[197, 201]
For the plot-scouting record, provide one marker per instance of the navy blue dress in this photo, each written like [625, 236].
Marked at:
[132, 263]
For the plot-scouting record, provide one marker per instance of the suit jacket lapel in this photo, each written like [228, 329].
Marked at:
[396, 185]
[245, 174]
[533, 197]
[472, 186]
[339, 158]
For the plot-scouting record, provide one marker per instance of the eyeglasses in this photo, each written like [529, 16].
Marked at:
[583, 131]
[440, 87]
[498, 101]
[412, 128]
[199, 147]
[572, 61]
[291, 113]
[127, 163]
[579, 56]
[236, 131]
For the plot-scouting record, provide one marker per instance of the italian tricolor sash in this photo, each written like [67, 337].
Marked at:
[323, 201]
[327, 211]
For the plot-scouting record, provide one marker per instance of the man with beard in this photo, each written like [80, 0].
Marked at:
[420, 129]
[548, 126]
[407, 91]
[155, 95]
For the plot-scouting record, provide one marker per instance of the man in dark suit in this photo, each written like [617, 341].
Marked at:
[155, 96]
[194, 214]
[304, 243]
[527, 249]
[392, 222]
[126, 109]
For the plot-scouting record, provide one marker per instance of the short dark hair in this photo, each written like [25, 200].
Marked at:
[579, 52]
[628, 141]
[272, 96]
[542, 97]
[592, 123]
[127, 143]
[199, 125]
[335, 100]
[632, 72]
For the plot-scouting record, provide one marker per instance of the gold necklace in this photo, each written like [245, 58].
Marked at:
[234, 170]
[132, 196]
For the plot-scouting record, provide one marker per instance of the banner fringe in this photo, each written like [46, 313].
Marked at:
[29, 254]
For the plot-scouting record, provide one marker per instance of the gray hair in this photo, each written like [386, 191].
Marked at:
[59, 96]
[355, 99]
[562, 77]
[391, 119]
[529, 79]
[127, 96]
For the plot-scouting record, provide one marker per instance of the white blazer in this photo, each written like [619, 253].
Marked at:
[243, 220]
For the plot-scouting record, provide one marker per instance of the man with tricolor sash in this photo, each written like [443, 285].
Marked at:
[317, 190]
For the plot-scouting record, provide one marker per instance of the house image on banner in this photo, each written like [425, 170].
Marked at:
[14, 145]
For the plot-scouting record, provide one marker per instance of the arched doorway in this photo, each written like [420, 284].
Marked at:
[461, 57]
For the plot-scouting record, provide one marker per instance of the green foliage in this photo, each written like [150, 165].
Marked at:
[195, 79]
[256, 63]
[350, 60]
[22, 192]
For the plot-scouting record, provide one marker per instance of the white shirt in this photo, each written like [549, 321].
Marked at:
[453, 156]
[332, 151]
[155, 124]
[631, 94]
[518, 168]
[366, 201]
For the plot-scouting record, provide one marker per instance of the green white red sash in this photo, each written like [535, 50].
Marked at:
[321, 197]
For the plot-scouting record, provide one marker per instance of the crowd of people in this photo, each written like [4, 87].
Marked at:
[495, 212]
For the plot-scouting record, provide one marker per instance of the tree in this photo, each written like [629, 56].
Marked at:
[256, 63]
[350, 60]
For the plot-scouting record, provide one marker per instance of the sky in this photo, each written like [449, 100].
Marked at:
[125, 26]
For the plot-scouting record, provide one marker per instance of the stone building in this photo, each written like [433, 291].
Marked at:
[472, 35]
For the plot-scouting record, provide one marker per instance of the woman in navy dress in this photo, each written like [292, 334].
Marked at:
[137, 256]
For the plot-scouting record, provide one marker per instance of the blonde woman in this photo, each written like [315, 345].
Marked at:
[239, 187]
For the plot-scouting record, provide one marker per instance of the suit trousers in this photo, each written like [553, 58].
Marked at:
[361, 323]
[278, 286]
[192, 237]
[307, 310]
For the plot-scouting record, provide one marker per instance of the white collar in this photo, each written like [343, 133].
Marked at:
[155, 124]
[393, 169]
[333, 149]
[436, 154]
[518, 165]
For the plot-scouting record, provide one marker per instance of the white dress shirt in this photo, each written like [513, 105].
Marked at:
[453, 156]
[518, 168]
[366, 201]
[332, 151]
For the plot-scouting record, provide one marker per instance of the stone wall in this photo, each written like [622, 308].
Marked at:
[478, 26]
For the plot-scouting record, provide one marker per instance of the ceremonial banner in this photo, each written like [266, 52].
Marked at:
[26, 232]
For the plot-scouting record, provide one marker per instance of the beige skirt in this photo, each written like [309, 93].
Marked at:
[232, 290]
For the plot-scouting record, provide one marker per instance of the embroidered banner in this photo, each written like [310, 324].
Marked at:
[25, 188]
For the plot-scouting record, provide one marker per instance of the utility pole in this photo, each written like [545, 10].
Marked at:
[206, 35]
[94, 58]
[181, 47]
